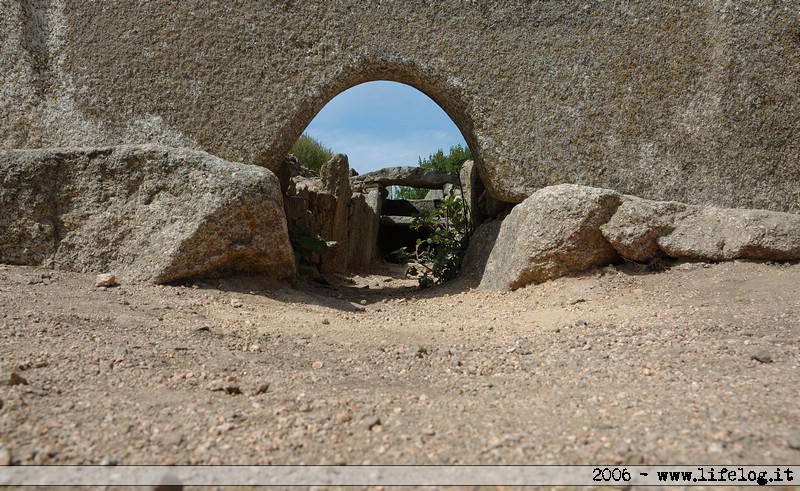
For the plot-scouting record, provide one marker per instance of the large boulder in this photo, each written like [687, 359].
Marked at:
[144, 212]
[643, 230]
[553, 233]
[565, 229]
[636, 227]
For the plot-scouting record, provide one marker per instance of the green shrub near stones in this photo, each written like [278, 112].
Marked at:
[311, 152]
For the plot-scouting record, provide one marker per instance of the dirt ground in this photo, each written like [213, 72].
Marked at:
[697, 364]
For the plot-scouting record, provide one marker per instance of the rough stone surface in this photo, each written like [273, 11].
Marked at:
[335, 175]
[472, 188]
[643, 230]
[565, 229]
[553, 233]
[326, 209]
[407, 176]
[147, 213]
[105, 279]
[480, 248]
[688, 101]
[638, 224]
[724, 234]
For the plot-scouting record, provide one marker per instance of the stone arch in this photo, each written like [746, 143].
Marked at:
[445, 92]
[679, 101]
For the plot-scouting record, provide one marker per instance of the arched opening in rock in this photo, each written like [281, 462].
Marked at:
[347, 222]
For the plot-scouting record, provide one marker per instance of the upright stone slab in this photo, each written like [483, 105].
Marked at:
[146, 213]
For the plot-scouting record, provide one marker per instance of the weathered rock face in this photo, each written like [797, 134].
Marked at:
[325, 209]
[406, 176]
[683, 100]
[146, 213]
[480, 248]
[553, 233]
[566, 229]
[644, 230]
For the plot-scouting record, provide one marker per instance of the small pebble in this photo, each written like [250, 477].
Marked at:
[363, 302]
[109, 461]
[13, 378]
[318, 364]
[236, 303]
[326, 321]
[5, 456]
[373, 422]
[105, 280]
[262, 389]
[168, 482]
[763, 356]
[793, 440]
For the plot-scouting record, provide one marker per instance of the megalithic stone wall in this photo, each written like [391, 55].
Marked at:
[687, 100]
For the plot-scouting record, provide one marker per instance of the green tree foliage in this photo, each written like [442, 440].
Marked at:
[311, 152]
[449, 164]
[406, 192]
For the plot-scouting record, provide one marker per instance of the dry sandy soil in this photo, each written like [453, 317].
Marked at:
[698, 364]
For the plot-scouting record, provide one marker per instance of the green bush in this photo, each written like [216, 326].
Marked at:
[406, 192]
[438, 258]
[311, 152]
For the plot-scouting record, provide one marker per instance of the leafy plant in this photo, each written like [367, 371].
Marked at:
[407, 192]
[438, 257]
[311, 152]
[306, 249]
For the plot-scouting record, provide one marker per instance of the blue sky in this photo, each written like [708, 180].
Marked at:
[384, 124]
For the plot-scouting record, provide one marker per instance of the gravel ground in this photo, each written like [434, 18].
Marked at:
[697, 364]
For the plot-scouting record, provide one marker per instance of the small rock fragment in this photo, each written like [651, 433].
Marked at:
[168, 482]
[262, 389]
[373, 422]
[325, 321]
[236, 303]
[763, 356]
[109, 461]
[5, 456]
[342, 418]
[202, 329]
[793, 440]
[317, 365]
[13, 378]
[363, 302]
[105, 280]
